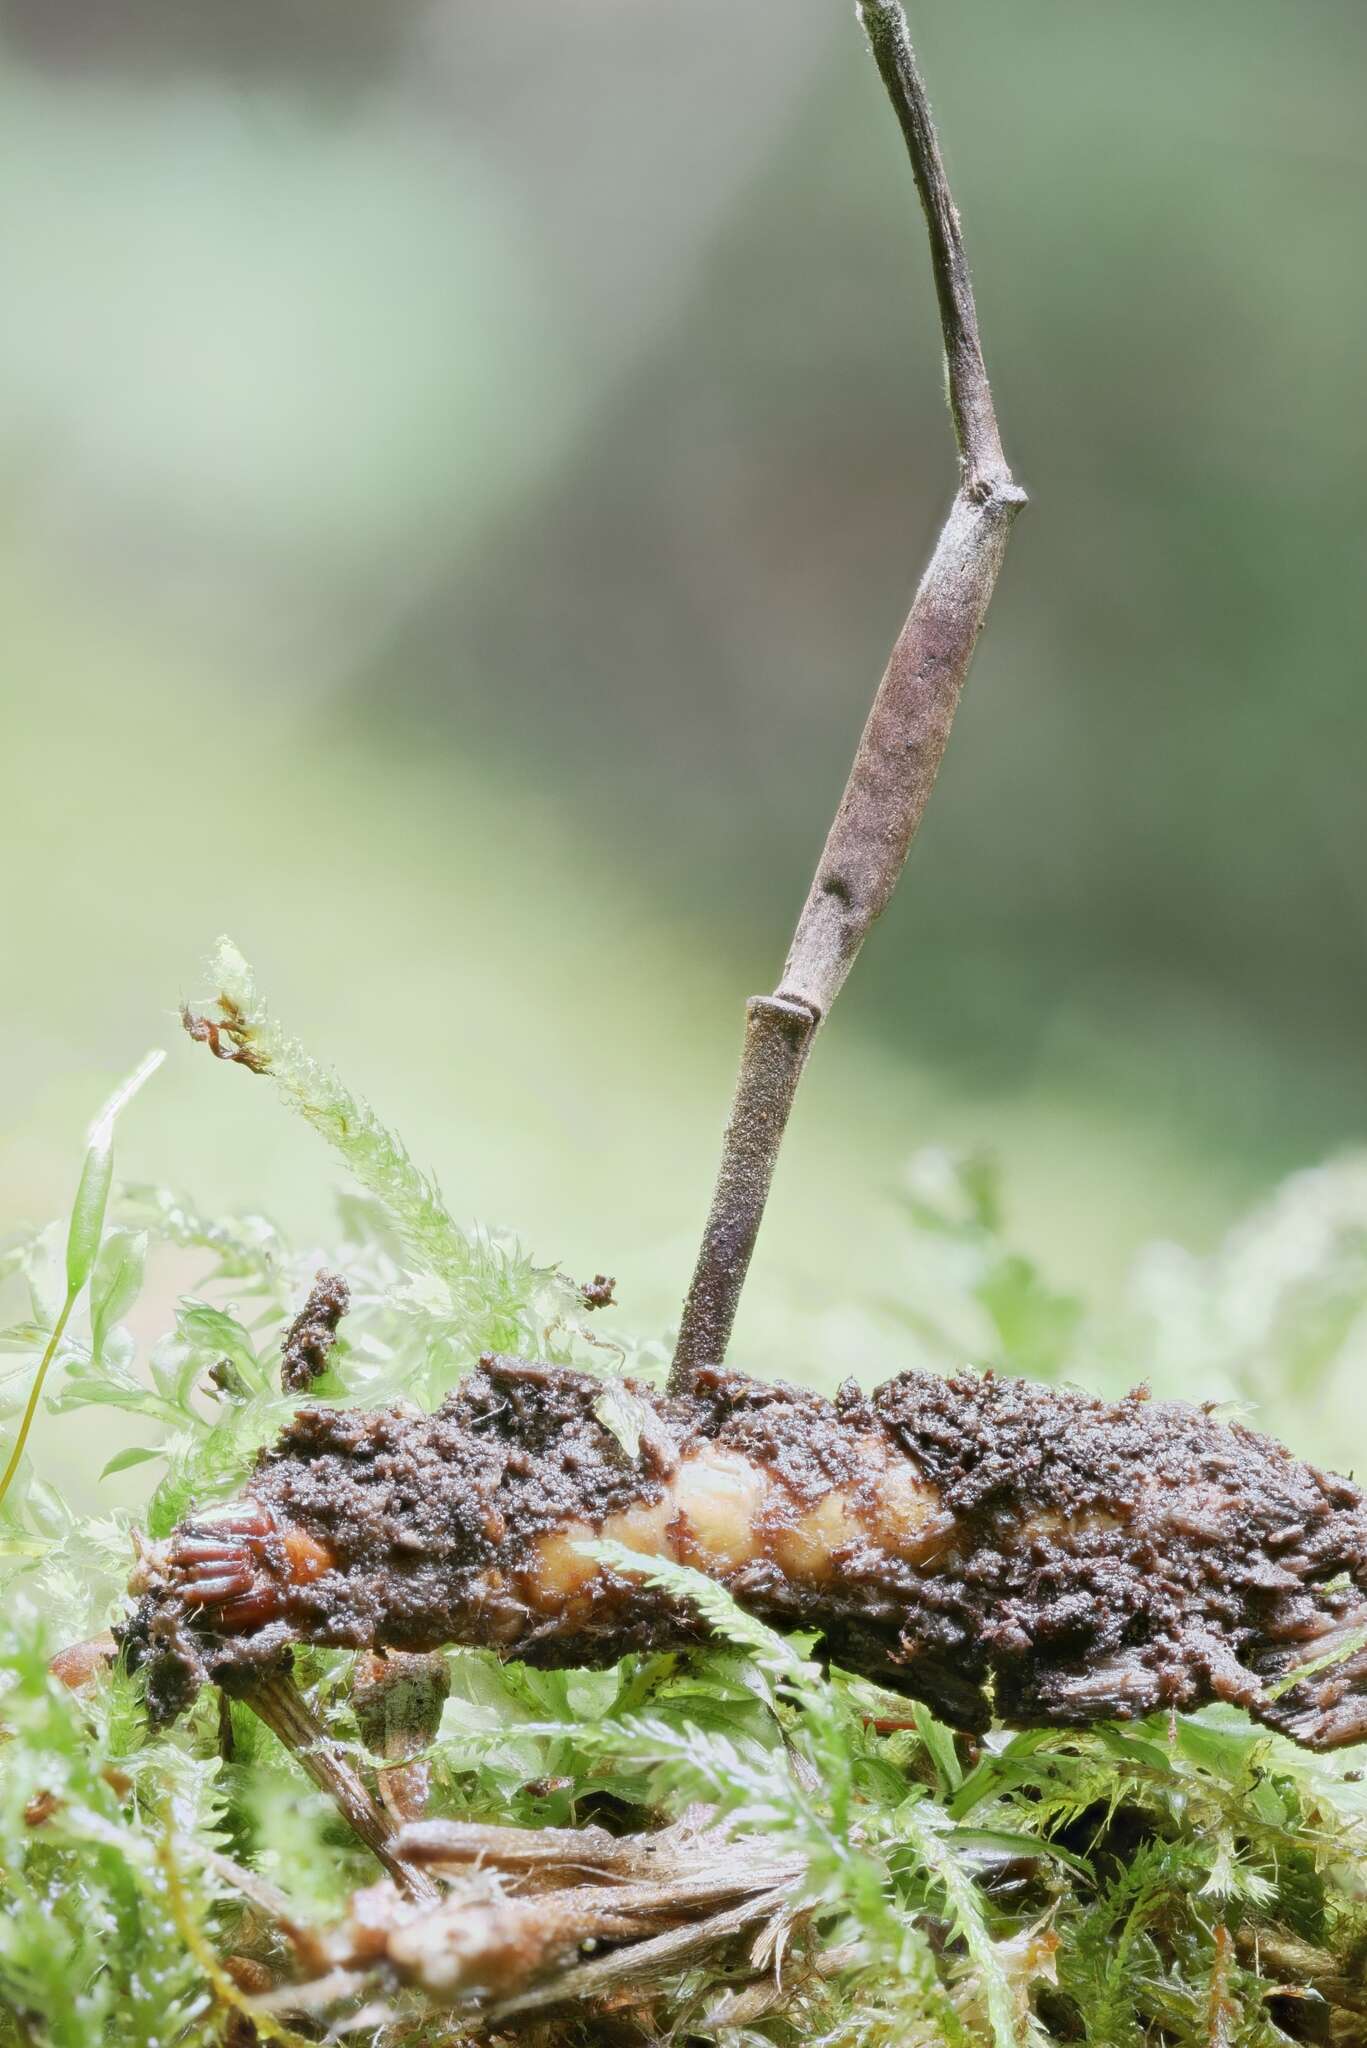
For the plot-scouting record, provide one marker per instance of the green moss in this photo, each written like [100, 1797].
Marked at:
[1136, 1885]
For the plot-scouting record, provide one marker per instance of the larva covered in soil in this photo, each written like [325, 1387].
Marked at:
[982, 1544]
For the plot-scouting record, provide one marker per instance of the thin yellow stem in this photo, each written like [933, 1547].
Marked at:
[192, 1934]
[31, 1407]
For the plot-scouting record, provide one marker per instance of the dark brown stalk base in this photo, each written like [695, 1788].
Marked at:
[778, 1033]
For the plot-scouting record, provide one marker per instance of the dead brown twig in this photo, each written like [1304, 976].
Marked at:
[277, 1700]
[509, 1937]
[898, 757]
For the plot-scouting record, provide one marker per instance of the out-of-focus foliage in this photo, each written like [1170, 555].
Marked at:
[463, 469]
[1273, 1321]
[1185, 1880]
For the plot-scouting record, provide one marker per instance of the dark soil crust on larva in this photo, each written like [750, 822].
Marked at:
[1098, 1559]
[1172, 1558]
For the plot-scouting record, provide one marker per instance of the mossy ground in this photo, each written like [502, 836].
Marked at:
[1185, 1880]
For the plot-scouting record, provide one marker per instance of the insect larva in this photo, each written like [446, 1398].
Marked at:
[954, 1538]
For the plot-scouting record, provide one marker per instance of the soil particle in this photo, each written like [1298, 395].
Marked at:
[598, 1292]
[313, 1333]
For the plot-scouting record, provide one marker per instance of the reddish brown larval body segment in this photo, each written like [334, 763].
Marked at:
[1086, 1559]
[80, 1662]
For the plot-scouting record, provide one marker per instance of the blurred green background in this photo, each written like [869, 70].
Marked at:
[463, 469]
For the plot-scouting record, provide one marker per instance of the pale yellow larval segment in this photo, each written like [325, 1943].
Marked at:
[721, 1511]
[720, 1498]
[911, 1518]
[644, 1528]
[561, 1570]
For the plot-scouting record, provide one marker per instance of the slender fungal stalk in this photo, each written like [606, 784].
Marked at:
[897, 759]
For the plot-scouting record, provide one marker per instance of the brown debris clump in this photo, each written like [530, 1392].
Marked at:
[313, 1333]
